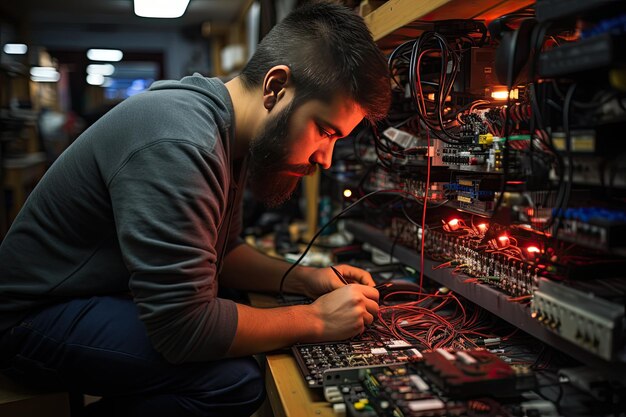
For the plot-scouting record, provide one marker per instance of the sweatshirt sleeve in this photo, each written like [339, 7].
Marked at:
[167, 202]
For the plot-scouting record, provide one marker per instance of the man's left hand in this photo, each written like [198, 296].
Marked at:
[323, 280]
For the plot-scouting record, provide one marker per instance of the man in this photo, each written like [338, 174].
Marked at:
[109, 275]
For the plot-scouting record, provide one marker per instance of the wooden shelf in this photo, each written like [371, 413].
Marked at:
[391, 22]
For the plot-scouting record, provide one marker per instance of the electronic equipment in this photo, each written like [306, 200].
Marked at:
[503, 162]
[368, 350]
[594, 53]
[595, 324]
[445, 383]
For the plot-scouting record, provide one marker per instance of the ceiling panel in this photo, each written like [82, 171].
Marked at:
[110, 14]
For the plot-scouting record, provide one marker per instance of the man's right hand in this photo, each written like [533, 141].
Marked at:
[345, 312]
[337, 315]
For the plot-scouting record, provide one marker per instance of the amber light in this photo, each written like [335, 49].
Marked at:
[503, 95]
[347, 193]
[431, 97]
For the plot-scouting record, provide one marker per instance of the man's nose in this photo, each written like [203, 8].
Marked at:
[323, 156]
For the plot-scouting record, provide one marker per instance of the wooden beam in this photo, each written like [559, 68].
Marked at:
[396, 14]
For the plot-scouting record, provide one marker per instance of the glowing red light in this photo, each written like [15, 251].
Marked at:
[503, 241]
[453, 224]
[533, 249]
[482, 227]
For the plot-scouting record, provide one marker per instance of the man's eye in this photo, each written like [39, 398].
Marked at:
[324, 132]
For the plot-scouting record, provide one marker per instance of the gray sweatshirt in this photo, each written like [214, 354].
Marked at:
[139, 202]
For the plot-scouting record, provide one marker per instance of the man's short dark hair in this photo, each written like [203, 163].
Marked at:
[329, 50]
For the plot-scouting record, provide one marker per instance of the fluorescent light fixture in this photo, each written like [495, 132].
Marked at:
[109, 55]
[95, 79]
[44, 74]
[163, 9]
[15, 48]
[102, 69]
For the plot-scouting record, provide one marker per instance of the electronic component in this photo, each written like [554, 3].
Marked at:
[594, 227]
[593, 323]
[446, 383]
[468, 374]
[593, 53]
[517, 277]
[473, 195]
[388, 391]
[315, 359]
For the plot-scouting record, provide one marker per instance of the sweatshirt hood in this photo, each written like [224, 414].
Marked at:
[207, 87]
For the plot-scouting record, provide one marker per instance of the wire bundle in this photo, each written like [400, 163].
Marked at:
[435, 321]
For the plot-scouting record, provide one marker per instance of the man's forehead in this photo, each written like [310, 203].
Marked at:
[342, 112]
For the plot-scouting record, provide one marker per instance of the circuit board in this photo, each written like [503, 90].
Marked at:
[444, 383]
[368, 350]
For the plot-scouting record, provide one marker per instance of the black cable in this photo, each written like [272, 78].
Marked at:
[507, 117]
[505, 154]
[328, 223]
[395, 242]
[562, 205]
[423, 44]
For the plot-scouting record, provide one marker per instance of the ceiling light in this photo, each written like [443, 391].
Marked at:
[15, 48]
[110, 55]
[95, 79]
[44, 74]
[102, 69]
[160, 8]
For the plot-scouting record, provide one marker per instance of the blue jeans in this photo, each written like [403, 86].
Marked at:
[98, 346]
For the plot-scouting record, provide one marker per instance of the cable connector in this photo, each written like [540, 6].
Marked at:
[489, 342]
[332, 394]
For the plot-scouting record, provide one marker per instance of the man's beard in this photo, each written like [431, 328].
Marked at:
[268, 176]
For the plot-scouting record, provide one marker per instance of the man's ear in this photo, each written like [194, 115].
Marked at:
[276, 80]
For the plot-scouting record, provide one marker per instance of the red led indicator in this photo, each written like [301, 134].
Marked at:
[503, 241]
[453, 224]
[533, 249]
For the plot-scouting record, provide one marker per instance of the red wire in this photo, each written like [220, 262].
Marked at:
[427, 185]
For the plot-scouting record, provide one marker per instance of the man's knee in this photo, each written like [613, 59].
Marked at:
[250, 386]
[240, 390]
